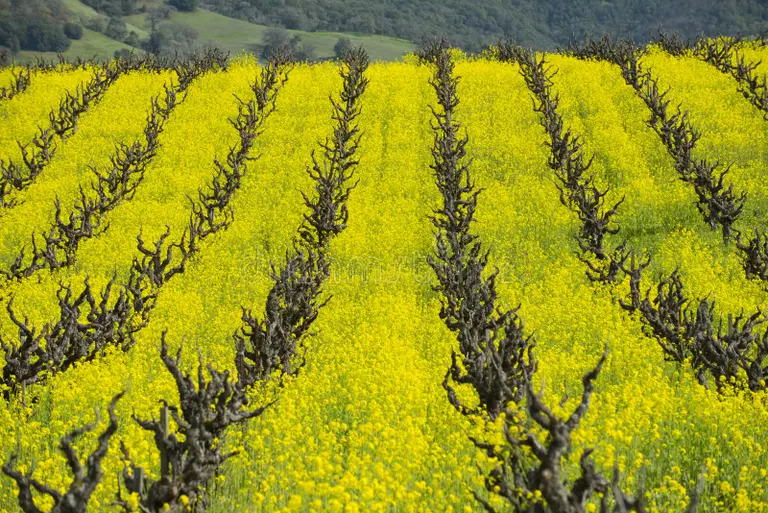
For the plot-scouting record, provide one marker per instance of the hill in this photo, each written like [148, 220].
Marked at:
[232, 35]
[537, 23]
[92, 44]
[387, 29]
[237, 36]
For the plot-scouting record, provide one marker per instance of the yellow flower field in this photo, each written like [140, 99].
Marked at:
[22, 118]
[366, 425]
[757, 54]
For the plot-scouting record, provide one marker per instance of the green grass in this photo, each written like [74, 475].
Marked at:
[238, 36]
[229, 34]
[80, 10]
[92, 44]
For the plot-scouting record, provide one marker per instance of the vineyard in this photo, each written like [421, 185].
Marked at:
[501, 282]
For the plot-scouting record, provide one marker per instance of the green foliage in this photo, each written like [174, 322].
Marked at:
[277, 38]
[343, 45]
[472, 25]
[33, 25]
[45, 35]
[116, 28]
[170, 39]
[157, 15]
[10, 36]
[73, 30]
[97, 24]
[132, 39]
[113, 7]
[184, 5]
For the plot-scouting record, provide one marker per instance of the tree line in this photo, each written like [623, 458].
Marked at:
[475, 25]
[47, 25]
[43, 25]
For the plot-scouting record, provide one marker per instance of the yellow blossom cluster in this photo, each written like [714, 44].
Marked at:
[756, 54]
[24, 115]
[125, 105]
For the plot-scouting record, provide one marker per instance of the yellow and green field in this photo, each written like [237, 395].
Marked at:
[366, 425]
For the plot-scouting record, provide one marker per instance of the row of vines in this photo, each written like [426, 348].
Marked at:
[519, 282]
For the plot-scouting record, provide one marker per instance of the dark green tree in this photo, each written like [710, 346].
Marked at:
[45, 35]
[184, 5]
[10, 35]
[132, 39]
[156, 42]
[303, 51]
[116, 29]
[273, 39]
[343, 44]
[171, 38]
[157, 15]
[97, 24]
[122, 53]
[276, 38]
[36, 25]
[128, 7]
[294, 19]
[73, 30]
[113, 7]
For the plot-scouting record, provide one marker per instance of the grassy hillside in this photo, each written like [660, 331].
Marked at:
[229, 34]
[92, 44]
[79, 9]
[473, 25]
[238, 36]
